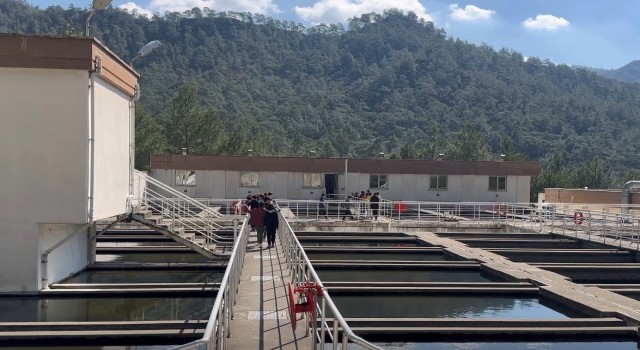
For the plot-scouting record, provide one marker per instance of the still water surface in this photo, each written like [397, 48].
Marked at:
[437, 306]
[104, 309]
[165, 257]
[511, 346]
[360, 275]
[145, 277]
[376, 256]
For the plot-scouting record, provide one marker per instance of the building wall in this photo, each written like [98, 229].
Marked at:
[579, 195]
[44, 146]
[111, 150]
[407, 187]
[44, 175]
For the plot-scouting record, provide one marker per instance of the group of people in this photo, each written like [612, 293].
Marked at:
[365, 204]
[263, 217]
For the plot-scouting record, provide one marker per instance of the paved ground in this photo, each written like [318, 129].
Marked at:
[261, 317]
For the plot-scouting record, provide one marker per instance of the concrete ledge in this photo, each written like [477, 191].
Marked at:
[110, 325]
[104, 337]
[489, 323]
[496, 289]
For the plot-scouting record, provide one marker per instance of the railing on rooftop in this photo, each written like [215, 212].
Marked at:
[179, 210]
[219, 324]
[612, 224]
[302, 272]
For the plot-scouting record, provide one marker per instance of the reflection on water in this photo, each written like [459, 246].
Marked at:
[510, 346]
[104, 309]
[145, 277]
[376, 256]
[359, 275]
[110, 347]
[437, 306]
[165, 257]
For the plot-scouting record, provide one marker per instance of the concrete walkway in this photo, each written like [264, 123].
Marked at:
[261, 316]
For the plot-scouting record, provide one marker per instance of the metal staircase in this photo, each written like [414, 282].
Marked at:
[178, 217]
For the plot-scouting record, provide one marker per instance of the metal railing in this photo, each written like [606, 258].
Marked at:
[357, 210]
[176, 195]
[302, 272]
[179, 210]
[609, 224]
[218, 327]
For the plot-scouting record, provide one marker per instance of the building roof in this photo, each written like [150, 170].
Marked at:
[66, 52]
[337, 165]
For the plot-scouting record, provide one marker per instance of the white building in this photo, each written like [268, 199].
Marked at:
[66, 126]
[307, 178]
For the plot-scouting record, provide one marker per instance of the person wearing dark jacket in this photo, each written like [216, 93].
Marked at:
[375, 205]
[256, 220]
[271, 222]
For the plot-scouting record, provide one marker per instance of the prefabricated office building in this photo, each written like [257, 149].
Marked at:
[306, 178]
[66, 145]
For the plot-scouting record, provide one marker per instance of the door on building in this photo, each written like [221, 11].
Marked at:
[330, 183]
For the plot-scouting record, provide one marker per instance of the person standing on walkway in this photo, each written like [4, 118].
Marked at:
[256, 220]
[271, 223]
[323, 206]
[375, 205]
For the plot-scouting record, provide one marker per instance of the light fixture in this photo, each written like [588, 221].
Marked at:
[146, 49]
[96, 5]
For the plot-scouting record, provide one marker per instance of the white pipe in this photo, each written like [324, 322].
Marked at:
[132, 149]
[92, 133]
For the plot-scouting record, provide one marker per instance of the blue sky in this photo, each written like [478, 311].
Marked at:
[596, 33]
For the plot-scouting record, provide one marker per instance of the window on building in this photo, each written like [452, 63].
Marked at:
[249, 179]
[310, 180]
[185, 178]
[438, 182]
[497, 183]
[378, 181]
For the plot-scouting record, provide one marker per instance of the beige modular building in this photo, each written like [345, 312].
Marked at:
[306, 178]
[66, 145]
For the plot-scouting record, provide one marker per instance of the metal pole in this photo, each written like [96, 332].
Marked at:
[638, 237]
[86, 24]
[604, 229]
[335, 334]
[346, 174]
[322, 323]
[235, 230]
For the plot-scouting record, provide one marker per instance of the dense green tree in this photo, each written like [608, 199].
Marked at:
[149, 138]
[469, 144]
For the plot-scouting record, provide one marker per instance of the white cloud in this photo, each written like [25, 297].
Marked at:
[470, 13]
[545, 22]
[334, 11]
[160, 6]
[130, 6]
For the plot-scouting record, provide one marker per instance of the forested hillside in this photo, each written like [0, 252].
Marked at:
[226, 82]
[629, 73]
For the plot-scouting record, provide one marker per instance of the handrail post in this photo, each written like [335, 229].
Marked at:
[335, 334]
[235, 229]
[322, 322]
